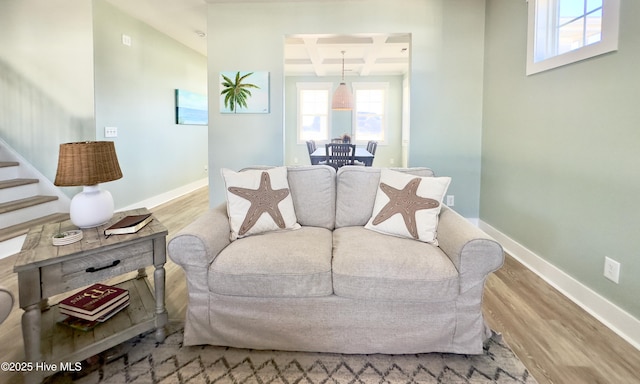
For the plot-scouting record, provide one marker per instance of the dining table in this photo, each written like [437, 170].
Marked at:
[362, 155]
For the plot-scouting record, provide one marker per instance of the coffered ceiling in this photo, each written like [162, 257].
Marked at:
[364, 55]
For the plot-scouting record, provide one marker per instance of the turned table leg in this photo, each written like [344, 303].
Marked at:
[160, 257]
[161, 312]
[31, 336]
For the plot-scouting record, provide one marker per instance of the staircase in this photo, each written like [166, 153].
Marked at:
[27, 199]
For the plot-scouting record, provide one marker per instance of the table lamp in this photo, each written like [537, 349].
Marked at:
[87, 164]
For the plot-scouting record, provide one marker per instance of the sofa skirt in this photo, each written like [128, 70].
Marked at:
[336, 324]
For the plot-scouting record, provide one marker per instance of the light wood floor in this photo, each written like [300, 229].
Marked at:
[556, 340]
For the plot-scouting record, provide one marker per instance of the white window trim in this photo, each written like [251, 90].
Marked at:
[385, 121]
[609, 42]
[311, 86]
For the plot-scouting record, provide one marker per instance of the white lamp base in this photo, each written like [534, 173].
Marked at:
[92, 207]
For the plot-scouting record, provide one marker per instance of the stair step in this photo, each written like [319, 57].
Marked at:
[17, 182]
[8, 164]
[23, 228]
[24, 203]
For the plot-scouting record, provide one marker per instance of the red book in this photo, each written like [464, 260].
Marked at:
[93, 299]
[101, 315]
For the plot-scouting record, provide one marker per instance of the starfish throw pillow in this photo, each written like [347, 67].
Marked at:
[259, 201]
[408, 206]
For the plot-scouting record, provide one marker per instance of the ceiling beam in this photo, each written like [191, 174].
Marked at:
[371, 55]
[311, 44]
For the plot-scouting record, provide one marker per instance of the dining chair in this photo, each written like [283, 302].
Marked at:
[372, 146]
[340, 154]
[311, 146]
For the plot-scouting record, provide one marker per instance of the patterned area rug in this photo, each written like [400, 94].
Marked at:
[142, 360]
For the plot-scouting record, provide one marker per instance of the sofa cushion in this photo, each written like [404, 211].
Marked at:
[408, 206]
[275, 264]
[356, 192]
[258, 201]
[313, 189]
[371, 265]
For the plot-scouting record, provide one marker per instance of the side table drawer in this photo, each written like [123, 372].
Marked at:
[100, 266]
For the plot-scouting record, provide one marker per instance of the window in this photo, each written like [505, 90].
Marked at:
[313, 111]
[565, 31]
[370, 111]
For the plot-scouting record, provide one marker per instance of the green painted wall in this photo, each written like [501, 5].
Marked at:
[446, 79]
[64, 76]
[135, 87]
[560, 153]
[342, 120]
[446, 99]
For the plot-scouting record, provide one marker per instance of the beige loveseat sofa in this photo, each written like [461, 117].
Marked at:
[332, 285]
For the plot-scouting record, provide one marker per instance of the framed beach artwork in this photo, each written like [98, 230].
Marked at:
[191, 108]
[244, 92]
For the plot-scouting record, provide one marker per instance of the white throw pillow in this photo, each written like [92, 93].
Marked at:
[258, 201]
[408, 206]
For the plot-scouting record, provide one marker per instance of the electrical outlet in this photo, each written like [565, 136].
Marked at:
[110, 131]
[611, 270]
[450, 200]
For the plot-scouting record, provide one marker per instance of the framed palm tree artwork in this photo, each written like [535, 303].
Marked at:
[244, 92]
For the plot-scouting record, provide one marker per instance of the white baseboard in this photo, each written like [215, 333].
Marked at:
[473, 220]
[612, 316]
[167, 196]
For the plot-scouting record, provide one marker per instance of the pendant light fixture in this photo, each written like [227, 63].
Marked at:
[342, 98]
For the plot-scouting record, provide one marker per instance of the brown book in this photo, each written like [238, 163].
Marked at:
[93, 299]
[78, 323]
[129, 224]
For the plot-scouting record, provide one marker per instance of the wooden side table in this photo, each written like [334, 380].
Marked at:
[45, 270]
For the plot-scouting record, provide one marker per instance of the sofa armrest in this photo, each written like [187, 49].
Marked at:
[200, 242]
[472, 251]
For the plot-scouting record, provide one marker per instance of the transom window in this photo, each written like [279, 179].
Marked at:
[566, 31]
[370, 111]
[313, 111]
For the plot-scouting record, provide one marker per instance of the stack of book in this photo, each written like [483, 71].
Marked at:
[93, 305]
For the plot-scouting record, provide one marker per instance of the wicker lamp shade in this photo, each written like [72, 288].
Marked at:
[342, 98]
[87, 163]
